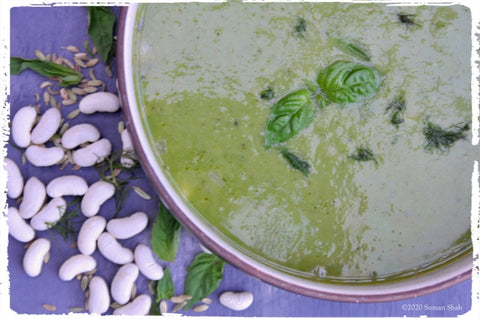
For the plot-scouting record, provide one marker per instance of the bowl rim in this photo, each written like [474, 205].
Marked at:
[444, 277]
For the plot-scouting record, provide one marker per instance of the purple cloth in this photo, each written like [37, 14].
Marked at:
[49, 29]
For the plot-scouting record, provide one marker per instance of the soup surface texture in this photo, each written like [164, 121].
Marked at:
[364, 196]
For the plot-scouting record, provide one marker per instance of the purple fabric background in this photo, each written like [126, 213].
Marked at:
[49, 29]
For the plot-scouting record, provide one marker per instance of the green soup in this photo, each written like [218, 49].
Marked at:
[205, 74]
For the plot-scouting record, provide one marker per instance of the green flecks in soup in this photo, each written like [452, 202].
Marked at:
[351, 192]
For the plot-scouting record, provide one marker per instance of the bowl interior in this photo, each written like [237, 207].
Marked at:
[437, 278]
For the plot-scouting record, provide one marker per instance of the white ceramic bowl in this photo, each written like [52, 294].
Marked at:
[433, 280]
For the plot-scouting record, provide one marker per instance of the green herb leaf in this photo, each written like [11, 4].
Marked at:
[289, 116]
[397, 107]
[154, 310]
[165, 235]
[300, 28]
[363, 154]
[65, 76]
[348, 82]
[101, 22]
[165, 289]
[204, 275]
[267, 94]
[408, 19]
[353, 48]
[296, 162]
[442, 139]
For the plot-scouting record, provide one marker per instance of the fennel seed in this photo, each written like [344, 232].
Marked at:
[73, 114]
[163, 306]
[200, 308]
[45, 84]
[49, 307]
[179, 306]
[140, 192]
[71, 48]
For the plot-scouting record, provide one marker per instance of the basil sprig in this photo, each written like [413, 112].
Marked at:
[65, 76]
[166, 233]
[101, 22]
[347, 82]
[291, 114]
[204, 275]
[164, 288]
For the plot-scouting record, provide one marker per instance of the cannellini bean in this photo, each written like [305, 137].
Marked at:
[140, 306]
[46, 126]
[96, 195]
[44, 156]
[99, 296]
[122, 283]
[35, 255]
[22, 123]
[50, 214]
[236, 300]
[99, 102]
[80, 134]
[146, 264]
[128, 155]
[18, 227]
[92, 153]
[67, 185]
[77, 264]
[91, 229]
[14, 178]
[34, 195]
[127, 227]
[111, 249]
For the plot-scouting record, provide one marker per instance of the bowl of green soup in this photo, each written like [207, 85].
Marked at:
[325, 148]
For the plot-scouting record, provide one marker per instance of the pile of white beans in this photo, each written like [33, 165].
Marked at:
[42, 206]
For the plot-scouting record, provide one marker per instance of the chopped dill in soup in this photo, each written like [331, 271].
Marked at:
[328, 140]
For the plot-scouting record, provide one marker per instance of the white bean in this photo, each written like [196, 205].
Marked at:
[92, 153]
[49, 214]
[46, 126]
[77, 264]
[122, 283]
[146, 264]
[35, 255]
[34, 195]
[99, 102]
[14, 178]
[79, 134]
[91, 229]
[99, 296]
[18, 227]
[126, 227]
[44, 156]
[96, 195]
[22, 123]
[140, 306]
[66, 185]
[128, 155]
[111, 249]
[236, 300]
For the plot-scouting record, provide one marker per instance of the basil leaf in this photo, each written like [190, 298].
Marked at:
[296, 162]
[289, 116]
[204, 275]
[165, 289]
[66, 76]
[165, 235]
[348, 82]
[154, 310]
[101, 22]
